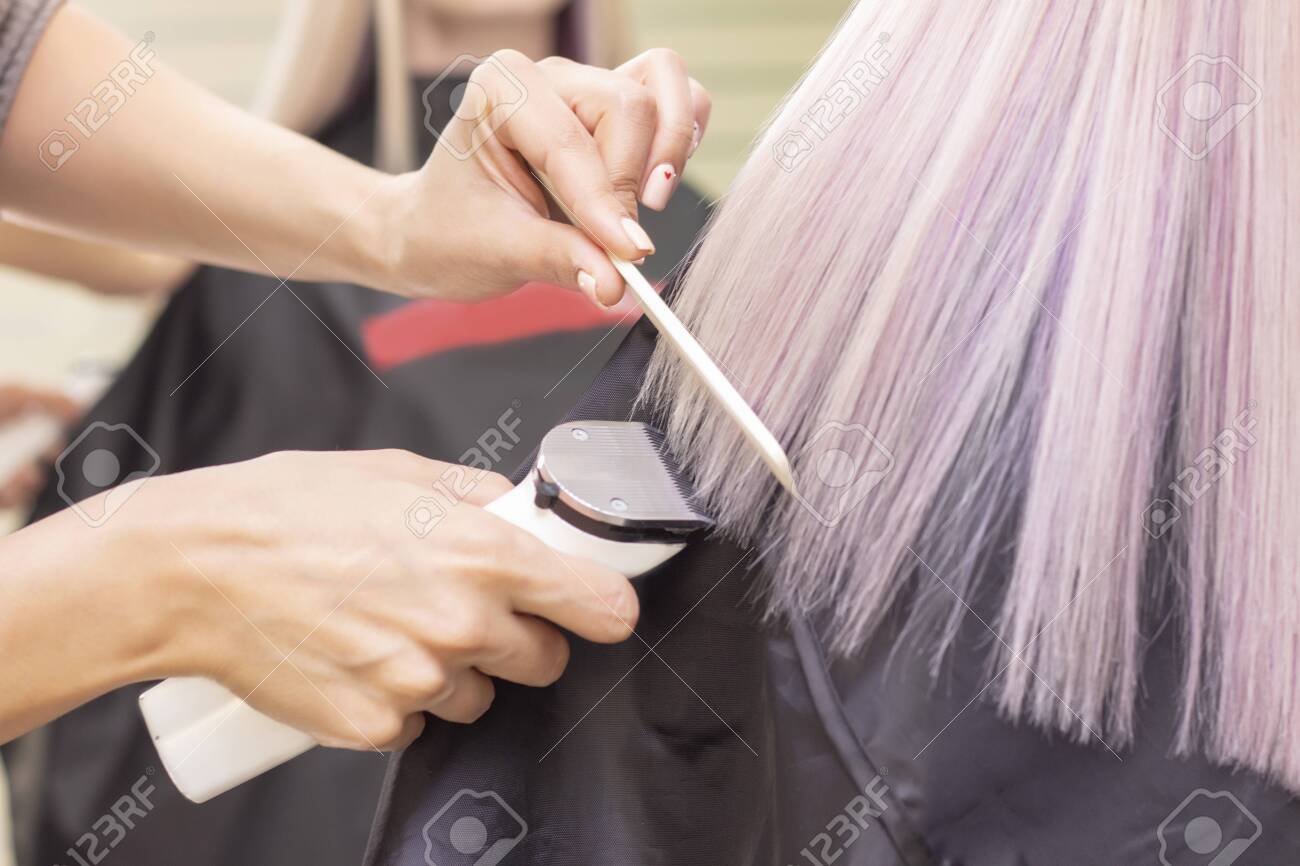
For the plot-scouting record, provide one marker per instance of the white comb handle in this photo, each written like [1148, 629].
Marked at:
[683, 342]
[211, 741]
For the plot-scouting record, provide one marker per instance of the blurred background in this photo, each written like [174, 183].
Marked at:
[747, 52]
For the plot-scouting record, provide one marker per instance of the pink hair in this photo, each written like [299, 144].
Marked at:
[1022, 301]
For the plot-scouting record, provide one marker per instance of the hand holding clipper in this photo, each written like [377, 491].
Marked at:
[606, 491]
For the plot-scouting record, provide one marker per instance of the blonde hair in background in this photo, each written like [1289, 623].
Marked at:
[1055, 325]
[320, 46]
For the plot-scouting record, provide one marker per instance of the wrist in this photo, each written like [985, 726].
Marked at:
[133, 576]
[168, 538]
[86, 602]
[157, 606]
[372, 249]
[382, 244]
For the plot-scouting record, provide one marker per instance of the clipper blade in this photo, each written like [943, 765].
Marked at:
[617, 479]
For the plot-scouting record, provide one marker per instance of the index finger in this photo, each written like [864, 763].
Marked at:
[551, 138]
[588, 599]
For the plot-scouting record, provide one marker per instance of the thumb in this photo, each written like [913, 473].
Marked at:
[566, 256]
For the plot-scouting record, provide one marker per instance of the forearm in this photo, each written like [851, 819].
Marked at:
[203, 179]
[79, 616]
[103, 268]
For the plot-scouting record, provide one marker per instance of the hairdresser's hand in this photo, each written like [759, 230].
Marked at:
[311, 552]
[604, 138]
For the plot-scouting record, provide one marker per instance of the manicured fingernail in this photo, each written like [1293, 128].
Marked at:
[587, 283]
[659, 188]
[637, 235]
[640, 261]
[695, 140]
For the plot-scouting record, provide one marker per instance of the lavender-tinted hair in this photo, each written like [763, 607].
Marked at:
[1019, 297]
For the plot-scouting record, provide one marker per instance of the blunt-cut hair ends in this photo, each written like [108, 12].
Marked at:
[1016, 285]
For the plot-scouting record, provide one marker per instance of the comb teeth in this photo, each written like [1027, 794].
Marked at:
[685, 489]
[621, 472]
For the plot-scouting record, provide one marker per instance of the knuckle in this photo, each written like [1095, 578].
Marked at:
[478, 542]
[636, 102]
[511, 59]
[571, 139]
[383, 727]
[398, 459]
[626, 186]
[553, 63]
[419, 681]
[467, 632]
[680, 134]
[498, 69]
[518, 546]
[560, 267]
[667, 59]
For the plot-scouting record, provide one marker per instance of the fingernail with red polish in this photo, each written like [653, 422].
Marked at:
[659, 188]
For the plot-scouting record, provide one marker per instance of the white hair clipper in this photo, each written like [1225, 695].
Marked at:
[605, 490]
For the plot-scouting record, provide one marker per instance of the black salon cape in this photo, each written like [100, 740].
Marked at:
[234, 369]
[709, 739]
